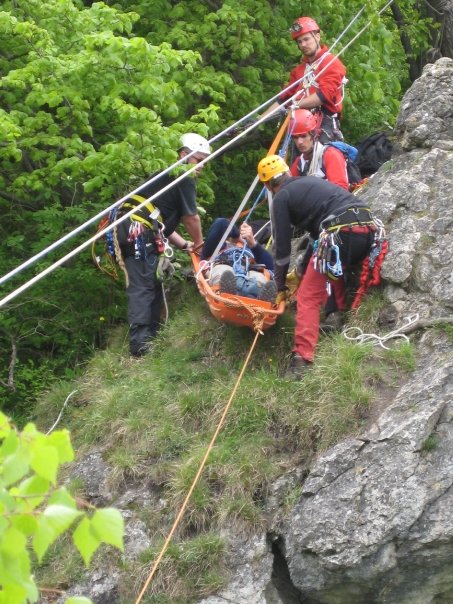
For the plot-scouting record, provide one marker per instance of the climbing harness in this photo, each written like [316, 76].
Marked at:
[326, 251]
[145, 236]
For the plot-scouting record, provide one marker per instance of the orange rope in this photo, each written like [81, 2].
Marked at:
[278, 138]
[272, 151]
[198, 474]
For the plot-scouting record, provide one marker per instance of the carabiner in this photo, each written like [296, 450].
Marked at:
[168, 250]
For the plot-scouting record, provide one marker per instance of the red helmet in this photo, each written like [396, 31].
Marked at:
[303, 25]
[303, 121]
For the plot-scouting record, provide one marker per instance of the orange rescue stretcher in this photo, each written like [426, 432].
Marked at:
[258, 315]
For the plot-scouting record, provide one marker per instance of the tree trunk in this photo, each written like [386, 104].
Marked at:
[442, 39]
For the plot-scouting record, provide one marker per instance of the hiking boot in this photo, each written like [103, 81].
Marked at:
[297, 368]
[227, 282]
[333, 322]
[268, 292]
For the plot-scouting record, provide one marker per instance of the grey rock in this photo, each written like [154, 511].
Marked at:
[92, 470]
[136, 539]
[100, 586]
[251, 567]
[425, 113]
[376, 510]
[374, 521]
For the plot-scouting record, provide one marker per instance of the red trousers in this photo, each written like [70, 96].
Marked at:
[312, 293]
[311, 297]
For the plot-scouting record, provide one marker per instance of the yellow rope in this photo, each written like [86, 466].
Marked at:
[198, 474]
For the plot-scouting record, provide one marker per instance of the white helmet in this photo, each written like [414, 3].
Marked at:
[195, 142]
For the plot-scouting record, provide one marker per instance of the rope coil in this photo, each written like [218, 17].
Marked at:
[363, 338]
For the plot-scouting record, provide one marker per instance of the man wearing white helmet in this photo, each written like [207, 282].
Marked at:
[141, 253]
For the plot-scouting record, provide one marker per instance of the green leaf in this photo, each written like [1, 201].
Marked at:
[31, 492]
[9, 444]
[62, 443]
[13, 593]
[5, 428]
[54, 521]
[43, 537]
[14, 568]
[25, 523]
[62, 497]
[15, 467]
[60, 517]
[109, 526]
[12, 542]
[7, 503]
[85, 541]
[45, 461]
[78, 600]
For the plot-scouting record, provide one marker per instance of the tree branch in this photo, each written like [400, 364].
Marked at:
[14, 199]
[12, 365]
[414, 71]
[425, 323]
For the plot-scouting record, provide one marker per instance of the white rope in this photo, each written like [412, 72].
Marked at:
[235, 217]
[203, 267]
[118, 221]
[61, 413]
[164, 299]
[221, 149]
[363, 338]
[95, 218]
[316, 160]
[259, 231]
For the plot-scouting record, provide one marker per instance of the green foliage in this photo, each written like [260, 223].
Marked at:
[87, 111]
[34, 511]
[93, 98]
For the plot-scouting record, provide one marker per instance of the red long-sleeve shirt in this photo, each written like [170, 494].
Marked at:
[328, 86]
[332, 167]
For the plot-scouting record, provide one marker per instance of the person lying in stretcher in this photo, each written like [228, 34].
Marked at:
[243, 267]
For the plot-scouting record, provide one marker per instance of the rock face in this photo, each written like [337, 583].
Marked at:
[425, 112]
[374, 522]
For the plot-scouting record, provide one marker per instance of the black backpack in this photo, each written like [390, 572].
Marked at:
[374, 150]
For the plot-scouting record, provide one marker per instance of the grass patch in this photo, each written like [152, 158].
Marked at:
[62, 565]
[154, 417]
[190, 569]
[431, 443]
[446, 328]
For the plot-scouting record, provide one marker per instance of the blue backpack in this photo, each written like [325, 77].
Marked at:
[350, 154]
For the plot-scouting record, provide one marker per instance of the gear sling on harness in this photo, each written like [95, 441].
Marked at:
[353, 220]
[145, 231]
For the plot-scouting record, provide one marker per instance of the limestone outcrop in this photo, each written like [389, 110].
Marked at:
[374, 522]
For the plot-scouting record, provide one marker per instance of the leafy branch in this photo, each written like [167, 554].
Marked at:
[34, 512]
